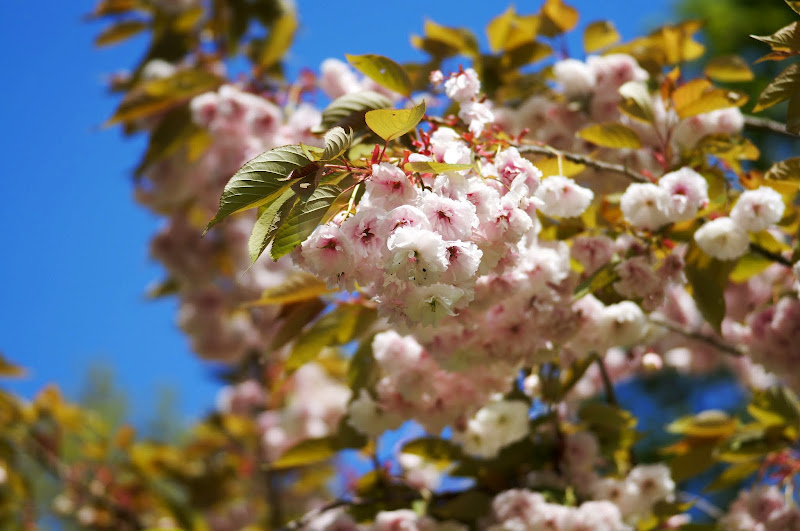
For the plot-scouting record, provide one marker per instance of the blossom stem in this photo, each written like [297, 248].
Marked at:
[765, 124]
[699, 336]
[586, 161]
[608, 385]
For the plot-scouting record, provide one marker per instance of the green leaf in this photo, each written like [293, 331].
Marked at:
[307, 452]
[297, 287]
[174, 131]
[785, 39]
[598, 35]
[435, 167]
[337, 141]
[728, 69]
[709, 424]
[339, 326]
[295, 317]
[509, 30]
[281, 34]
[783, 87]
[259, 181]
[598, 280]
[636, 101]
[465, 506]
[120, 32]
[708, 278]
[606, 415]
[699, 458]
[8, 369]
[301, 221]
[526, 53]
[751, 445]
[268, 223]
[394, 123]
[777, 405]
[442, 41]
[785, 170]
[611, 135]
[349, 110]
[382, 71]
[158, 95]
[434, 449]
[734, 475]
[558, 17]
[362, 371]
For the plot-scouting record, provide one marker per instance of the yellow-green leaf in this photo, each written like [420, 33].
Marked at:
[158, 95]
[509, 30]
[442, 41]
[711, 100]
[394, 123]
[307, 452]
[558, 17]
[301, 221]
[708, 278]
[786, 39]
[636, 101]
[734, 475]
[795, 5]
[259, 181]
[337, 327]
[8, 369]
[296, 288]
[783, 87]
[598, 35]
[435, 167]
[337, 141]
[710, 424]
[268, 223]
[611, 135]
[383, 71]
[281, 34]
[785, 170]
[728, 69]
[120, 31]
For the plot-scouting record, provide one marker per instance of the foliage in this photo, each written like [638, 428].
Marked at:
[486, 252]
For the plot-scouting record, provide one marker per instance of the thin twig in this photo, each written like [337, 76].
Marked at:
[611, 396]
[699, 336]
[701, 503]
[766, 253]
[765, 124]
[586, 161]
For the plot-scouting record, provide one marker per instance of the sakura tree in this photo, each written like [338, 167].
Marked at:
[484, 244]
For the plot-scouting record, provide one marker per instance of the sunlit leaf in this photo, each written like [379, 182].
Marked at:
[120, 32]
[734, 475]
[337, 141]
[281, 34]
[728, 69]
[783, 87]
[8, 369]
[611, 135]
[636, 101]
[301, 221]
[297, 287]
[598, 35]
[307, 452]
[713, 424]
[339, 326]
[394, 123]
[558, 18]
[442, 41]
[776, 405]
[268, 222]
[383, 71]
[435, 167]
[259, 181]
[708, 278]
[785, 39]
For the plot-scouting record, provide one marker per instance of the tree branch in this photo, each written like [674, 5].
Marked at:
[586, 161]
[765, 124]
[699, 336]
[611, 396]
[766, 253]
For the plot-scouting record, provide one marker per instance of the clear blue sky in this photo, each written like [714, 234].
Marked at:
[75, 264]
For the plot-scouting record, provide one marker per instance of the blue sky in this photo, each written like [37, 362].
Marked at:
[75, 263]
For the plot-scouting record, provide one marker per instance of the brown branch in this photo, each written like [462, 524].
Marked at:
[766, 253]
[765, 124]
[608, 385]
[699, 336]
[586, 161]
